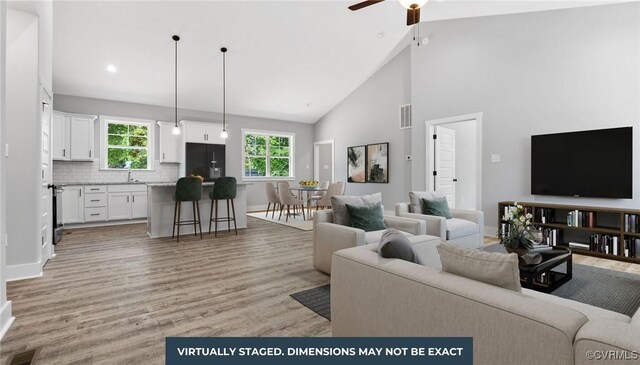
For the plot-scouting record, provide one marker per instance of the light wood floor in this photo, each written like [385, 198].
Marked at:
[112, 295]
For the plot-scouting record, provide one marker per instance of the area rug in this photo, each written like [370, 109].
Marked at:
[608, 289]
[294, 221]
[317, 299]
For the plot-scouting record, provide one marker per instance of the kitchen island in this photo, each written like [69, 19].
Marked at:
[160, 209]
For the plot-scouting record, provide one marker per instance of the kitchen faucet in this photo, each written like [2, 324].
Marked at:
[127, 164]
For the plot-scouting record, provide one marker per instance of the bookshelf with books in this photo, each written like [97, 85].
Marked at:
[611, 233]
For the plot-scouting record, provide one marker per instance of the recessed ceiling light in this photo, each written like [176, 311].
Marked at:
[381, 34]
[308, 104]
[112, 68]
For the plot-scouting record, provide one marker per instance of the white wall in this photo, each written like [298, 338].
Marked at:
[255, 193]
[531, 73]
[5, 306]
[371, 115]
[22, 136]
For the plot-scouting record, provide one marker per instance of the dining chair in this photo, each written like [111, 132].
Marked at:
[288, 200]
[272, 198]
[334, 189]
[324, 185]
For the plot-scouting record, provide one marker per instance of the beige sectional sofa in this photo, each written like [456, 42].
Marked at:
[372, 296]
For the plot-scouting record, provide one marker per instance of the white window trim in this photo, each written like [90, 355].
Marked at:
[151, 139]
[292, 156]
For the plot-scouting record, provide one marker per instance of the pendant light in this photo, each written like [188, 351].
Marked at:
[224, 134]
[176, 129]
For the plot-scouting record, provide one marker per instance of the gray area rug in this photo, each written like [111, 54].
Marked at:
[608, 289]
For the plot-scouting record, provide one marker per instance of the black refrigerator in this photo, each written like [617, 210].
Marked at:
[206, 160]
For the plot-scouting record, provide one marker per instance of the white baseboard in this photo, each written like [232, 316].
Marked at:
[6, 319]
[256, 208]
[490, 231]
[24, 271]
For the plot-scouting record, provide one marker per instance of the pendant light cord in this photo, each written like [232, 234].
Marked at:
[224, 89]
[176, 82]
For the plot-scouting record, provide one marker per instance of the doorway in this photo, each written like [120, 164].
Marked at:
[324, 161]
[46, 205]
[454, 159]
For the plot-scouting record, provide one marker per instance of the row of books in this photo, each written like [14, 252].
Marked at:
[545, 215]
[551, 236]
[632, 223]
[577, 218]
[610, 245]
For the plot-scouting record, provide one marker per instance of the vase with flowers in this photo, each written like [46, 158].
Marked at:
[519, 233]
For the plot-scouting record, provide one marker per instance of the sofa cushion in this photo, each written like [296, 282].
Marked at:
[436, 206]
[457, 228]
[340, 214]
[635, 320]
[488, 267]
[427, 253]
[589, 311]
[395, 245]
[416, 197]
[366, 217]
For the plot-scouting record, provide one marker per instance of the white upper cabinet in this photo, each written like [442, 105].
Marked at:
[72, 137]
[82, 139]
[60, 137]
[169, 143]
[198, 132]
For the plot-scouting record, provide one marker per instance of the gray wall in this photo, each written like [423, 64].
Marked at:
[531, 73]
[5, 307]
[256, 194]
[22, 166]
[371, 115]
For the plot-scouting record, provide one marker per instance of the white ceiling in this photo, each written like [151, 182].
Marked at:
[288, 60]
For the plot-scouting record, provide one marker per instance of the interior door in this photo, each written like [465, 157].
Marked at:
[46, 207]
[445, 163]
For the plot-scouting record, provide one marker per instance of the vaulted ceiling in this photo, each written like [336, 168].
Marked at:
[288, 60]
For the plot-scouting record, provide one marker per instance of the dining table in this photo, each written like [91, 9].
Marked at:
[300, 190]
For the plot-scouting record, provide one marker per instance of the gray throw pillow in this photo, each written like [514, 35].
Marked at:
[437, 206]
[415, 198]
[338, 206]
[395, 245]
[493, 268]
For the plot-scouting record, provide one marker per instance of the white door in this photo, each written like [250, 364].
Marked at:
[445, 163]
[119, 206]
[81, 138]
[138, 205]
[169, 145]
[196, 133]
[59, 136]
[72, 205]
[46, 209]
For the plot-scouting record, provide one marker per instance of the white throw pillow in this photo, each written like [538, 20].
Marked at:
[493, 268]
[415, 198]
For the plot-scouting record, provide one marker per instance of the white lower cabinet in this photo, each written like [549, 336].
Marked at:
[103, 203]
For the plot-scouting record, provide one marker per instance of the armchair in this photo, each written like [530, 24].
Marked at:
[466, 228]
[329, 237]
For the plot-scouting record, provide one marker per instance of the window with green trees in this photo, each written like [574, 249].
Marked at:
[267, 155]
[127, 142]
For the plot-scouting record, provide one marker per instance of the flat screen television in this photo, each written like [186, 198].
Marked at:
[595, 163]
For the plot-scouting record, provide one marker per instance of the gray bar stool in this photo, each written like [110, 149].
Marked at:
[188, 189]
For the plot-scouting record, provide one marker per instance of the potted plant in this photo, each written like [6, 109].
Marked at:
[519, 234]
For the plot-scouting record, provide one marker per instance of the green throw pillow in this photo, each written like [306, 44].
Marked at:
[366, 217]
[436, 206]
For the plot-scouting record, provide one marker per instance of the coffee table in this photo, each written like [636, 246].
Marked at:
[542, 277]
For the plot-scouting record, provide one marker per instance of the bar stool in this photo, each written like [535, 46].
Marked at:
[188, 189]
[225, 188]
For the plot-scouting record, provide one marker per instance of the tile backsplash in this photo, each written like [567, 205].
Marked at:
[89, 172]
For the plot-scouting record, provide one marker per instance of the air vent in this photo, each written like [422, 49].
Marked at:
[405, 116]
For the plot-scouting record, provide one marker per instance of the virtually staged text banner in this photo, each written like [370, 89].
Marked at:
[316, 351]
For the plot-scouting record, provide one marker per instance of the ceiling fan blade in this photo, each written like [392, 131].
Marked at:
[413, 16]
[364, 4]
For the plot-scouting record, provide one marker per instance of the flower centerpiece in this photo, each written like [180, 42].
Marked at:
[519, 233]
[308, 183]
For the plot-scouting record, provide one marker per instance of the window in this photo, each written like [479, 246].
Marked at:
[127, 143]
[267, 155]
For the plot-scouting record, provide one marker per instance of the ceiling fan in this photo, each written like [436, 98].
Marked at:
[413, 8]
